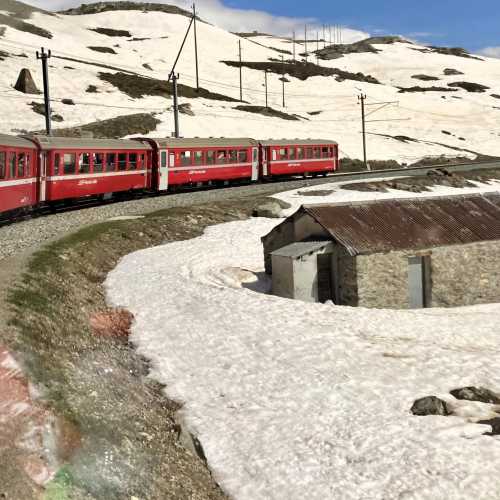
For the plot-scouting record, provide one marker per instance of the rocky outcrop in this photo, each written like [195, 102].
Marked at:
[25, 83]
[430, 405]
[480, 394]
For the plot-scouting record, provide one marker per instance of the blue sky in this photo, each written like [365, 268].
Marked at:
[470, 24]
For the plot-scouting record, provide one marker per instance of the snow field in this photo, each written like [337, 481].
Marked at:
[292, 400]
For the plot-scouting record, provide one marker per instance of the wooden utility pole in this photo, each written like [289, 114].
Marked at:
[175, 77]
[265, 84]
[362, 99]
[294, 46]
[283, 78]
[44, 56]
[305, 39]
[196, 48]
[241, 72]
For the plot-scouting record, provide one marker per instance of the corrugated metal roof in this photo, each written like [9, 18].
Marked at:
[198, 142]
[15, 142]
[47, 143]
[416, 223]
[297, 142]
[296, 250]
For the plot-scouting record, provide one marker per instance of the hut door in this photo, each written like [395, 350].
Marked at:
[418, 282]
[324, 277]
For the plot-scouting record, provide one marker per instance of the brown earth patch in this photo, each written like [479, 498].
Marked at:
[113, 323]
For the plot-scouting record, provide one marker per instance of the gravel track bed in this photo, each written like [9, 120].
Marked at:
[31, 233]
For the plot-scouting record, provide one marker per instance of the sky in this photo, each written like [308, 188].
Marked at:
[462, 23]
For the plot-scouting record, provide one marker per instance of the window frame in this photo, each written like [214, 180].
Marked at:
[223, 158]
[119, 162]
[74, 163]
[210, 157]
[242, 156]
[3, 165]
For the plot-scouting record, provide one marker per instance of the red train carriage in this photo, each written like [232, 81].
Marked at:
[189, 161]
[18, 173]
[78, 168]
[298, 157]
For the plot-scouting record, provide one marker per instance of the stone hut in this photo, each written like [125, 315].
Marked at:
[406, 253]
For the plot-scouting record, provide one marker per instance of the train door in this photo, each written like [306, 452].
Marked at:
[264, 161]
[43, 165]
[255, 164]
[163, 162]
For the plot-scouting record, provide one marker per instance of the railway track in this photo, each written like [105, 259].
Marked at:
[31, 230]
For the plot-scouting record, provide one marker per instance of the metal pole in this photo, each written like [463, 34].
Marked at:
[294, 46]
[196, 48]
[46, 96]
[283, 78]
[362, 98]
[305, 39]
[175, 77]
[265, 80]
[317, 46]
[241, 74]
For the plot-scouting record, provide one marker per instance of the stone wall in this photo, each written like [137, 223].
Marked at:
[459, 275]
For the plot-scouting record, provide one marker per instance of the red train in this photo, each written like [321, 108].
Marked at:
[40, 170]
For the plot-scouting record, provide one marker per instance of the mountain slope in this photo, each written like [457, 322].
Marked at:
[434, 107]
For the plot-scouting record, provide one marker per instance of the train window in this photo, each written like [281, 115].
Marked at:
[326, 151]
[255, 155]
[233, 156]
[122, 161]
[28, 164]
[300, 153]
[69, 163]
[21, 165]
[98, 162]
[142, 161]
[275, 155]
[110, 162]
[292, 154]
[12, 165]
[332, 155]
[84, 163]
[132, 161]
[186, 158]
[198, 157]
[210, 157]
[57, 164]
[221, 156]
[163, 162]
[3, 171]
[242, 156]
[283, 154]
[316, 152]
[309, 153]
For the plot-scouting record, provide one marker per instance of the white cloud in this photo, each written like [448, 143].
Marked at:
[233, 19]
[490, 52]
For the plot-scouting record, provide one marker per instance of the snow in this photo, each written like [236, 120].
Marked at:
[292, 400]
[473, 120]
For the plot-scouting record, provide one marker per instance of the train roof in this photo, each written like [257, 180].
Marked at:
[47, 143]
[199, 142]
[296, 142]
[14, 141]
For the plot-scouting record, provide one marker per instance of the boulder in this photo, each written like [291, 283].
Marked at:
[476, 394]
[495, 426]
[430, 405]
[271, 209]
[25, 83]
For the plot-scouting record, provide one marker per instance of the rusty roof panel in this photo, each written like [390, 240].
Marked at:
[410, 224]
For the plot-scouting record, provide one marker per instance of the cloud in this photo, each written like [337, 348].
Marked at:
[490, 52]
[234, 19]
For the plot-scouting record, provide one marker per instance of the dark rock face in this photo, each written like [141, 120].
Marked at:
[496, 96]
[92, 89]
[262, 110]
[430, 405]
[68, 102]
[425, 78]
[452, 72]
[111, 32]
[104, 50]
[25, 83]
[469, 86]
[495, 426]
[403, 90]
[476, 394]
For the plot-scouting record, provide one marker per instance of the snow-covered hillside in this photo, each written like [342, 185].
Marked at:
[443, 120]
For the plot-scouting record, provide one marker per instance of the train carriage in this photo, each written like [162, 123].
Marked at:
[193, 161]
[298, 157]
[77, 168]
[18, 173]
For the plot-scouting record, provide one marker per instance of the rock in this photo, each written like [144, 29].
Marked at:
[271, 209]
[92, 89]
[476, 394]
[185, 108]
[57, 118]
[495, 426]
[25, 83]
[430, 405]
[69, 102]
[451, 71]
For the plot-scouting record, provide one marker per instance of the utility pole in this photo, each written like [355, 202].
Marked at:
[283, 78]
[241, 74]
[305, 39]
[294, 46]
[361, 99]
[196, 49]
[175, 77]
[317, 47]
[46, 96]
[265, 84]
